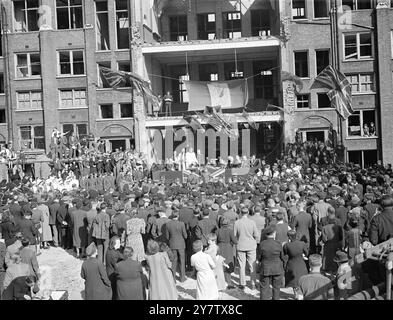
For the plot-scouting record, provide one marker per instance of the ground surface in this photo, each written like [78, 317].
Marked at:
[61, 271]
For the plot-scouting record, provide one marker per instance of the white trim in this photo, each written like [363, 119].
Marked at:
[357, 34]
[71, 56]
[206, 45]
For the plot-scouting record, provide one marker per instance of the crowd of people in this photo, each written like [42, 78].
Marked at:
[294, 224]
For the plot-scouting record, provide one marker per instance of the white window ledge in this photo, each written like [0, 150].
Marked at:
[361, 138]
[28, 78]
[72, 108]
[363, 93]
[28, 110]
[66, 76]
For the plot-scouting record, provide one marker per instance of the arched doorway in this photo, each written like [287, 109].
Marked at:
[117, 136]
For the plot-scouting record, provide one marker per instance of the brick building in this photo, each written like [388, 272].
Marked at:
[51, 54]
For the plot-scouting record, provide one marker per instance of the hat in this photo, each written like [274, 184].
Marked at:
[341, 257]
[215, 207]
[315, 260]
[270, 230]
[91, 249]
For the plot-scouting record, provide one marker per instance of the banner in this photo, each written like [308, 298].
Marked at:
[228, 94]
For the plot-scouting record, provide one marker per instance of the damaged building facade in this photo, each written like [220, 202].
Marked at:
[52, 50]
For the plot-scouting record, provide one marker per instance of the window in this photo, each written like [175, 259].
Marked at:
[323, 101]
[71, 62]
[301, 64]
[102, 26]
[80, 129]
[106, 111]
[361, 83]
[206, 26]
[230, 70]
[298, 9]
[26, 15]
[2, 83]
[321, 9]
[362, 124]
[2, 116]
[29, 100]
[182, 89]
[302, 101]
[178, 28]
[122, 24]
[357, 46]
[69, 14]
[208, 72]
[126, 110]
[232, 25]
[102, 82]
[73, 98]
[32, 137]
[124, 66]
[28, 65]
[322, 59]
[263, 83]
[358, 4]
[260, 23]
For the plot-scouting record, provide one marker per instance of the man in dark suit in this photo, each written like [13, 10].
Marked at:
[186, 215]
[381, 225]
[176, 234]
[302, 222]
[204, 227]
[29, 257]
[53, 208]
[271, 265]
[29, 231]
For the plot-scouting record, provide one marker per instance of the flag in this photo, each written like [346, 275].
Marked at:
[116, 79]
[193, 122]
[251, 122]
[340, 93]
[217, 173]
[287, 76]
[227, 94]
[215, 122]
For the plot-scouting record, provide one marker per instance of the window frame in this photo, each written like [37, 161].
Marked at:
[28, 54]
[323, 108]
[259, 27]
[25, 10]
[126, 103]
[106, 105]
[182, 88]
[303, 101]
[327, 9]
[305, 11]
[361, 122]
[316, 60]
[116, 32]
[73, 106]
[356, 5]
[71, 74]
[32, 139]
[231, 31]
[30, 92]
[96, 25]
[308, 63]
[207, 31]
[359, 83]
[358, 46]
[69, 6]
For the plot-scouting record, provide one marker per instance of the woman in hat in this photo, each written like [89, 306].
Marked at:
[97, 284]
[162, 285]
[226, 240]
[295, 267]
[129, 277]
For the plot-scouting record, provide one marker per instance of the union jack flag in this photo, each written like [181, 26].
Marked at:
[340, 93]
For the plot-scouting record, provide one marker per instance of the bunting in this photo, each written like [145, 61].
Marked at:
[251, 122]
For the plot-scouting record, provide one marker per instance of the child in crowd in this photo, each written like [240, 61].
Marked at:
[206, 281]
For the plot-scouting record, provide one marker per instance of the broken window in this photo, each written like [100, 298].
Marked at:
[178, 28]
[232, 25]
[102, 28]
[124, 66]
[28, 65]
[230, 70]
[206, 26]
[71, 62]
[208, 72]
[69, 14]
[298, 9]
[260, 23]
[323, 101]
[26, 15]
[263, 82]
[301, 64]
[357, 46]
[122, 24]
[106, 111]
[126, 110]
[321, 9]
[322, 59]
[102, 82]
